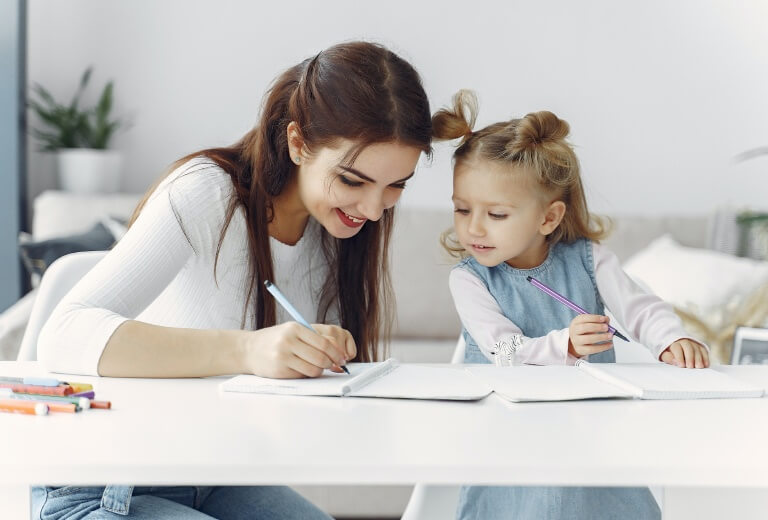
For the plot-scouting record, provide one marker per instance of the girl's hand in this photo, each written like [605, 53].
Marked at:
[686, 353]
[589, 335]
[291, 350]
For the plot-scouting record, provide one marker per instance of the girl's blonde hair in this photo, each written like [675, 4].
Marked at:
[537, 143]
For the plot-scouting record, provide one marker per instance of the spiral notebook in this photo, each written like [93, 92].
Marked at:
[386, 379]
[610, 380]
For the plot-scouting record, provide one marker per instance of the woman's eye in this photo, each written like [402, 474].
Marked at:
[497, 216]
[349, 182]
[398, 186]
[462, 211]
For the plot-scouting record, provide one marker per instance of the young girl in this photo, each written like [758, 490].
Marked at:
[305, 200]
[520, 211]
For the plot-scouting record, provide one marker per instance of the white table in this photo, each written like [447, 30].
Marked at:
[711, 455]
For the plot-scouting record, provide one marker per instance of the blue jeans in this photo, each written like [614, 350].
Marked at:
[171, 503]
[556, 503]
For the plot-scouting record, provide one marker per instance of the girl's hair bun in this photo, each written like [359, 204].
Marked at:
[535, 129]
[459, 120]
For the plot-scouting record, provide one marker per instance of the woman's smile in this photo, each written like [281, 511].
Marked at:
[350, 220]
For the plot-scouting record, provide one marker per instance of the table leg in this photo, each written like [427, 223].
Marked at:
[705, 503]
[14, 501]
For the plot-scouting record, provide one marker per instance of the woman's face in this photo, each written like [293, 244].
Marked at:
[343, 197]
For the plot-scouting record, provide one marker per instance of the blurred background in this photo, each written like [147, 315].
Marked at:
[660, 95]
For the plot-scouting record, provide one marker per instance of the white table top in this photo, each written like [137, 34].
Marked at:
[185, 432]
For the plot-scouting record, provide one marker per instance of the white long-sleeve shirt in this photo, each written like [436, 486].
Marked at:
[161, 272]
[643, 316]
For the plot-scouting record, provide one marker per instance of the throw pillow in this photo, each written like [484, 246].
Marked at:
[37, 256]
[712, 292]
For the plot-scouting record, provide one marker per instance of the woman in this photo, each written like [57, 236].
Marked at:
[305, 200]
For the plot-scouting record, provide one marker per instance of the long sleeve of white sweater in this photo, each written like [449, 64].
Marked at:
[162, 272]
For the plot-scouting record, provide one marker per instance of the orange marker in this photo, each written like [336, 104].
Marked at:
[101, 404]
[27, 407]
[62, 407]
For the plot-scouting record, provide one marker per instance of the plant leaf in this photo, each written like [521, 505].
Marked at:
[81, 88]
[44, 95]
[105, 103]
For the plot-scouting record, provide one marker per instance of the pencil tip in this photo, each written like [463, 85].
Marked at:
[345, 369]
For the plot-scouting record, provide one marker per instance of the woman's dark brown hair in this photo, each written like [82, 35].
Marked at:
[358, 91]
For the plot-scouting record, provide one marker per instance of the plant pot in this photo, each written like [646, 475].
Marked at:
[86, 170]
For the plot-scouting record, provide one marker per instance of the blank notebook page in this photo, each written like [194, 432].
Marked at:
[663, 381]
[544, 383]
[425, 382]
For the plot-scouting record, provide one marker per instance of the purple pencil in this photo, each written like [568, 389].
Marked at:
[568, 303]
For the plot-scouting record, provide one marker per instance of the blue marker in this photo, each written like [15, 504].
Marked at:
[36, 381]
[282, 300]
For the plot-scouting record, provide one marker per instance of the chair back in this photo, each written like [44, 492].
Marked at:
[57, 281]
[458, 352]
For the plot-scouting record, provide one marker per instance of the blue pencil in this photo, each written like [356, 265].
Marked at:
[282, 300]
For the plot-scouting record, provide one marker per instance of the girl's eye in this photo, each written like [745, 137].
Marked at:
[349, 182]
[497, 216]
[398, 186]
[462, 211]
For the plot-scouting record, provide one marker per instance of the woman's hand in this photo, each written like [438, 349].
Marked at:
[342, 337]
[291, 350]
[589, 334]
[686, 353]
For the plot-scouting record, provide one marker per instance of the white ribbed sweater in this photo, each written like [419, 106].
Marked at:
[158, 275]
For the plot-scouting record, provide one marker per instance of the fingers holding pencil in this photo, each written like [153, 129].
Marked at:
[589, 334]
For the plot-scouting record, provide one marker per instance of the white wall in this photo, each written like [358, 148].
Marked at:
[660, 94]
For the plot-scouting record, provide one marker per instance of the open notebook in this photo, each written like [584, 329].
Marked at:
[517, 383]
[610, 380]
[385, 379]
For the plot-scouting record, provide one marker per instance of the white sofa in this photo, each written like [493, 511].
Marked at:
[426, 325]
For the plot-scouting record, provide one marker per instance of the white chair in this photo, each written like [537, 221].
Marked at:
[433, 502]
[57, 280]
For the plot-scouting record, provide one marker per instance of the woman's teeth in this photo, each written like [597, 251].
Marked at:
[353, 219]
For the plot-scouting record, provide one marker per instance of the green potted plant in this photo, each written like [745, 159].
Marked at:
[80, 138]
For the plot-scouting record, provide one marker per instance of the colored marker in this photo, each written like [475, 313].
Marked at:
[26, 407]
[282, 300]
[35, 381]
[104, 405]
[79, 402]
[36, 389]
[568, 303]
[80, 387]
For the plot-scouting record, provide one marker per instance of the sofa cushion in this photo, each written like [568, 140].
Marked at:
[37, 256]
[713, 292]
[420, 271]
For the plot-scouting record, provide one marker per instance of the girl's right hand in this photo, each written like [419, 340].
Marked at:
[290, 350]
[589, 334]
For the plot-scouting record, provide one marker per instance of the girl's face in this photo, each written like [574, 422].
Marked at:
[499, 217]
[341, 197]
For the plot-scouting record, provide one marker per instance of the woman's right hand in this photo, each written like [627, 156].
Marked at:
[290, 350]
[589, 334]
